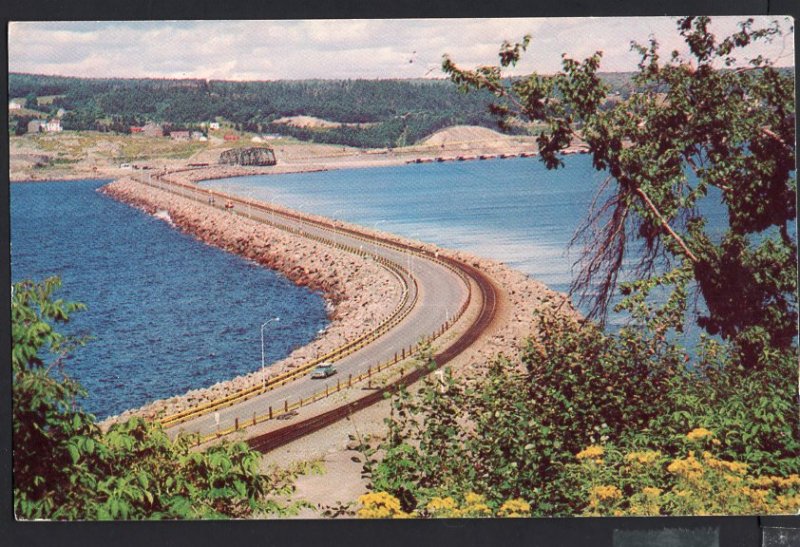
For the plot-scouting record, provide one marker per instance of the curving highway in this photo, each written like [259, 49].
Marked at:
[434, 292]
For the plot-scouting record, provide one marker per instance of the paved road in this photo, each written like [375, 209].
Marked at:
[439, 295]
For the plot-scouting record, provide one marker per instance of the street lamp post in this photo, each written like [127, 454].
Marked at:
[263, 373]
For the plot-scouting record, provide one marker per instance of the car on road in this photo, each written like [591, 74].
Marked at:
[323, 371]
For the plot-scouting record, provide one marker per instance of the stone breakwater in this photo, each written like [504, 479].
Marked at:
[360, 293]
[520, 297]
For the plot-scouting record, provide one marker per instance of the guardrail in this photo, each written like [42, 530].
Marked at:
[279, 437]
[288, 409]
[400, 312]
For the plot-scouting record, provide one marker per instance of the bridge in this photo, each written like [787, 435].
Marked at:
[445, 303]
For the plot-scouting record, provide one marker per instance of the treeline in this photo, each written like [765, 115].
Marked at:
[398, 111]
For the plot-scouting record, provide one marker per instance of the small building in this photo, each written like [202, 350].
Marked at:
[213, 126]
[198, 136]
[135, 129]
[153, 130]
[53, 126]
[179, 135]
[231, 137]
[34, 126]
[14, 105]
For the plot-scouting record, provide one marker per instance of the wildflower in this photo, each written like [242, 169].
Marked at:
[515, 508]
[606, 493]
[644, 458]
[651, 492]
[441, 505]
[380, 505]
[688, 467]
[592, 452]
[471, 498]
[788, 482]
[698, 433]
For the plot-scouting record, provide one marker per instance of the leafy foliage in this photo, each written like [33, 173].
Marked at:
[515, 432]
[696, 482]
[693, 130]
[65, 467]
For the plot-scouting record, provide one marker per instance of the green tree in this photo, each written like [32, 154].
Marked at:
[690, 130]
[65, 467]
[706, 126]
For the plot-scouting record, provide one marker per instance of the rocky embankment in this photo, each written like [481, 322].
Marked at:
[359, 292]
[519, 295]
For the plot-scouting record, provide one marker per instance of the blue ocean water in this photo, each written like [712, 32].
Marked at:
[167, 313]
[512, 210]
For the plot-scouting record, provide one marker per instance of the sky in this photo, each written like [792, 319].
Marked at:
[333, 49]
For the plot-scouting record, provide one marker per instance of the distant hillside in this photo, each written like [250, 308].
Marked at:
[395, 112]
[364, 113]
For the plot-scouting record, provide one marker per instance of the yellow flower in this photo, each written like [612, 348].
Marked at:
[478, 510]
[379, 505]
[606, 493]
[590, 452]
[788, 504]
[698, 433]
[788, 482]
[441, 505]
[688, 467]
[515, 508]
[649, 491]
[471, 498]
[644, 458]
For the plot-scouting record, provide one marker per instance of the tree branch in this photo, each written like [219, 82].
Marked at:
[666, 226]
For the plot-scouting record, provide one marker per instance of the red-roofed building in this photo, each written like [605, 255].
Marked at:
[231, 137]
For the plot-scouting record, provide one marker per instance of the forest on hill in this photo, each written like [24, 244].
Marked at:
[398, 112]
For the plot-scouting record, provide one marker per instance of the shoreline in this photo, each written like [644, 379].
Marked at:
[240, 236]
[358, 293]
[519, 294]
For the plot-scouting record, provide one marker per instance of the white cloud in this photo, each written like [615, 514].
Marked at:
[333, 48]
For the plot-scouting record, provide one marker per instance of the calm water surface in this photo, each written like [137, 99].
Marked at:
[514, 210]
[167, 313]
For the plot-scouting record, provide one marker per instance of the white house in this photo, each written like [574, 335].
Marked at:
[53, 126]
[14, 105]
[213, 126]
